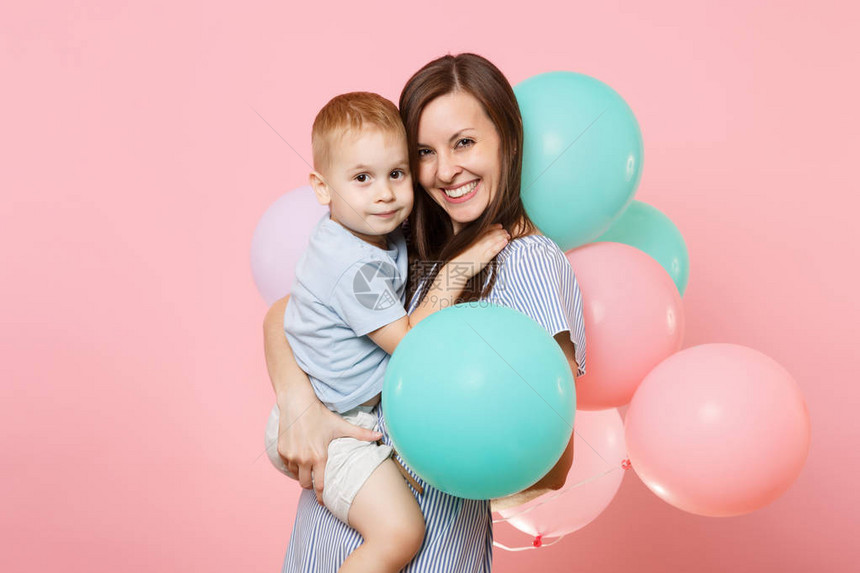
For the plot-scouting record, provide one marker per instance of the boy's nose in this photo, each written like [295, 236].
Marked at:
[386, 193]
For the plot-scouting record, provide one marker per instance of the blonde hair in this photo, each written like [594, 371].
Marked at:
[351, 112]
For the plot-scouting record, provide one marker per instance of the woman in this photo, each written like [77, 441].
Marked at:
[465, 141]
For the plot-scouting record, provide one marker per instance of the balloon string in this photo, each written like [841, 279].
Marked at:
[538, 542]
[549, 497]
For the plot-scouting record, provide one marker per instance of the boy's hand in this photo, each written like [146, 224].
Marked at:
[479, 254]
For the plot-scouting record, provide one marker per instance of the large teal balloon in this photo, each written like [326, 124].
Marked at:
[479, 400]
[650, 230]
[582, 157]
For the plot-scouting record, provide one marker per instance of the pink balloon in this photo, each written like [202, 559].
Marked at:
[593, 480]
[280, 239]
[634, 319]
[718, 430]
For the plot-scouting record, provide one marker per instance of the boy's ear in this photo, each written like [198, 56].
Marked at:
[320, 188]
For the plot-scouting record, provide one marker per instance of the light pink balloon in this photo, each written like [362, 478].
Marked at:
[598, 453]
[634, 319]
[280, 239]
[718, 430]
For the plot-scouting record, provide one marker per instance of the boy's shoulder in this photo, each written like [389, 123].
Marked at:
[333, 243]
[333, 253]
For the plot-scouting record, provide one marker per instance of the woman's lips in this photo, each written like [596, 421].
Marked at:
[465, 197]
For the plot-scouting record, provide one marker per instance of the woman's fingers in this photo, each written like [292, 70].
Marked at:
[347, 430]
[343, 429]
[316, 469]
[319, 480]
[305, 433]
[289, 460]
[305, 479]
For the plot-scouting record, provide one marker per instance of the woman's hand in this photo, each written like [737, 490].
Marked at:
[479, 254]
[305, 429]
[306, 426]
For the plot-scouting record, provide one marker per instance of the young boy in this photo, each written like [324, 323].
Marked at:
[346, 314]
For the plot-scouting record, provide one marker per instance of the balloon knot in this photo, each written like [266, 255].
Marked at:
[626, 464]
[537, 542]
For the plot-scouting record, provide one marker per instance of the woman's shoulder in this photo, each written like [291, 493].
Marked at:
[535, 278]
[532, 260]
[534, 247]
[533, 239]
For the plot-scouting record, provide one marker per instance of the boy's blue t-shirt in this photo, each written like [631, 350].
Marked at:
[344, 288]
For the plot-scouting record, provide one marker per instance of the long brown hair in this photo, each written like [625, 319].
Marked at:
[431, 233]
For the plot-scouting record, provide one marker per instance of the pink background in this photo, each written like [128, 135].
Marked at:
[134, 167]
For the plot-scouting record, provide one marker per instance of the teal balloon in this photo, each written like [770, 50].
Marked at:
[650, 230]
[582, 155]
[479, 400]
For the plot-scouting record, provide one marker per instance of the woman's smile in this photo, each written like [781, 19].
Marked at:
[461, 193]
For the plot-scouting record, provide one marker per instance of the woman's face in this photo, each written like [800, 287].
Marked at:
[458, 156]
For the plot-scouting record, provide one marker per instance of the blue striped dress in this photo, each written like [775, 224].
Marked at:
[533, 277]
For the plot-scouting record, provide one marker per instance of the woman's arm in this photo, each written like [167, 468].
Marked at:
[306, 426]
[556, 477]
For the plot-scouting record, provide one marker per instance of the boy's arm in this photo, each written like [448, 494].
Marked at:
[446, 287]
[439, 296]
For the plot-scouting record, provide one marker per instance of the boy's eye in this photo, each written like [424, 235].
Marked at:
[361, 177]
[398, 174]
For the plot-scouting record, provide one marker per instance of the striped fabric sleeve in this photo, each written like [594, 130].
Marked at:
[538, 280]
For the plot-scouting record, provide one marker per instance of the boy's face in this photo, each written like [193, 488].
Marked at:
[367, 184]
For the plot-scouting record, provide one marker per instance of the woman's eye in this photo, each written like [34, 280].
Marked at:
[423, 152]
[464, 142]
[361, 177]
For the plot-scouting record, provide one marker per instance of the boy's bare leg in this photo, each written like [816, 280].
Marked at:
[386, 514]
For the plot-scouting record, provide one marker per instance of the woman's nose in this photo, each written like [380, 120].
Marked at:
[447, 169]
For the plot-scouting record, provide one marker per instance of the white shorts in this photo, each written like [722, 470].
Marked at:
[350, 461]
